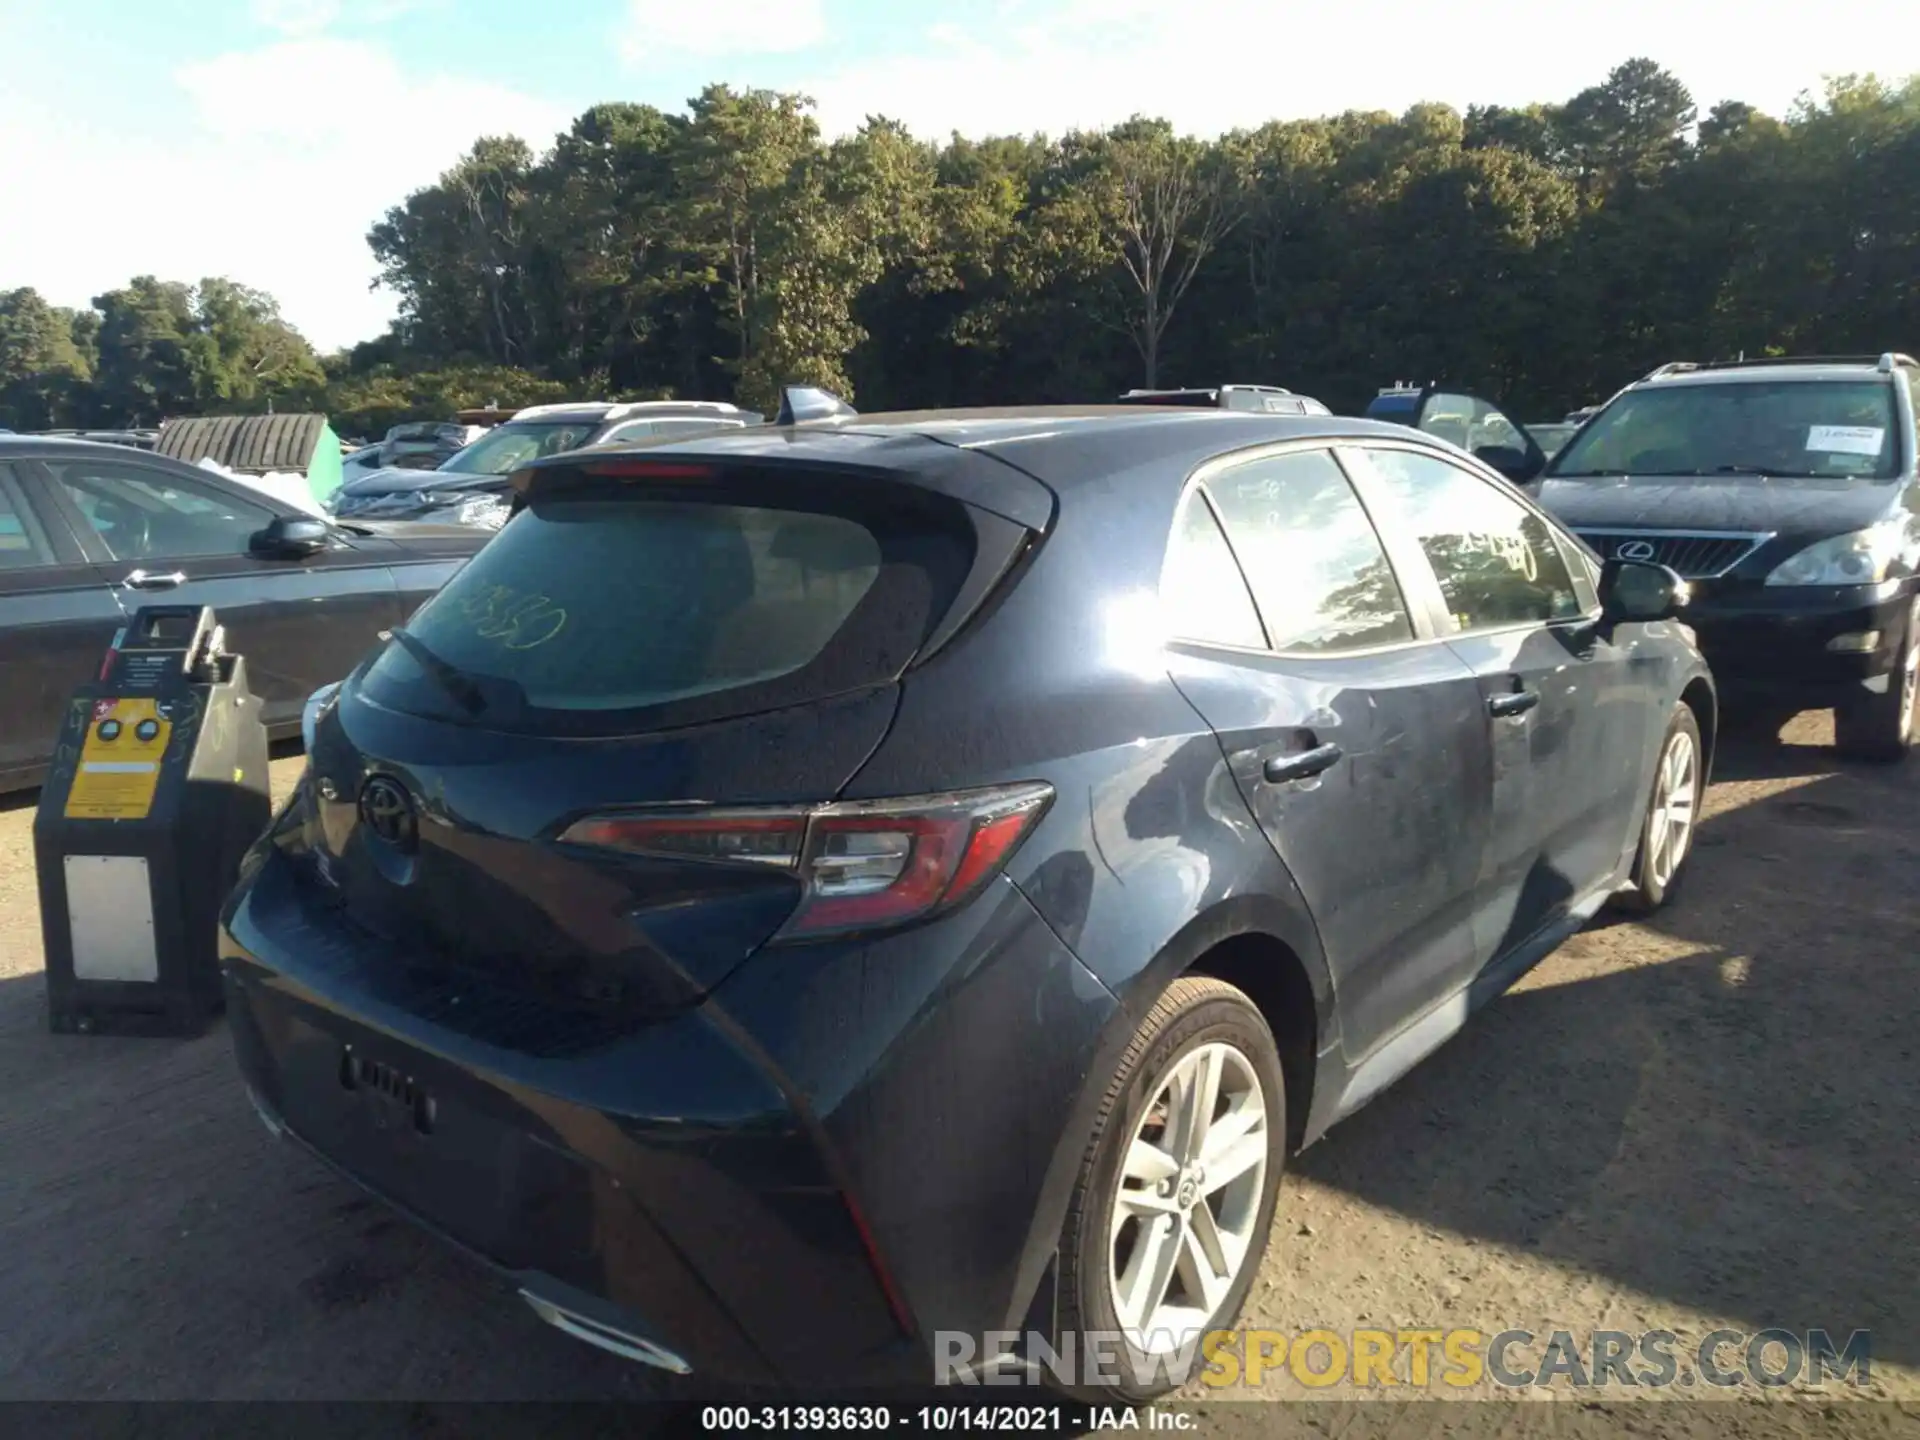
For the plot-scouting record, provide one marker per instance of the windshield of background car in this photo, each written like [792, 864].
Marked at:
[507, 447]
[1813, 428]
[607, 612]
[1551, 437]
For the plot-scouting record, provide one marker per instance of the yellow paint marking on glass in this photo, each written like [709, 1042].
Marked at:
[517, 621]
[120, 762]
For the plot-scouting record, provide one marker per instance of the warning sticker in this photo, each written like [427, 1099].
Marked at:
[1846, 439]
[120, 762]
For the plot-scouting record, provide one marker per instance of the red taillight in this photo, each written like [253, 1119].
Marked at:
[863, 865]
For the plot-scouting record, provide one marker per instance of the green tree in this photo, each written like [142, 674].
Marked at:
[1162, 203]
[252, 355]
[455, 253]
[743, 186]
[44, 368]
[150, 354]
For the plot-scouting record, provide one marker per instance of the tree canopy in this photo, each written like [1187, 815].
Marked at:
[1544, 254]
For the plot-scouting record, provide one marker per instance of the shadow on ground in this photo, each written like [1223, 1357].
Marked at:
[157, 1243]
[1731, 1130]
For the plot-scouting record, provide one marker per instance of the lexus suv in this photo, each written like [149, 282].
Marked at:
[1786, 492]
[810, 892]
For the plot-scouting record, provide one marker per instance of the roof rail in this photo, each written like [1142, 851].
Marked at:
[1893, 359]
[527, 410]
[1672, 367]
[717, 407]
[1883, 362]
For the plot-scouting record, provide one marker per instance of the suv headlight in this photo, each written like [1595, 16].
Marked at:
[1861, 558]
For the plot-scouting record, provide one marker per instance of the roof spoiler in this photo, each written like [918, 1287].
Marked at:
[800, 403]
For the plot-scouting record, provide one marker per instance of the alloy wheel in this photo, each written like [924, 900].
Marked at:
[1675, 798]
[1188, 1198]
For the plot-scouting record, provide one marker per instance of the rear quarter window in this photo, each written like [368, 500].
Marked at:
[605, 610]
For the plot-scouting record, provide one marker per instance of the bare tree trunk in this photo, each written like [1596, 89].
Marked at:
[1168, 219]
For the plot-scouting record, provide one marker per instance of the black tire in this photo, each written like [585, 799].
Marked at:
[1650, 888]
[1193, 1012]
[1879, 728]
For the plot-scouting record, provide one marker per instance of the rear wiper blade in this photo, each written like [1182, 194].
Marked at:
[449, 677]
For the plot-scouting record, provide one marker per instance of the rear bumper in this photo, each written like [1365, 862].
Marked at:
[738, 1187]
[1779, 642]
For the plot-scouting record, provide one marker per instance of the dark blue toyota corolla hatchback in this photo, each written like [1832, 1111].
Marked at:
[805, 894]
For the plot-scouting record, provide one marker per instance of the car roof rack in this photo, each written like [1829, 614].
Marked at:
[1206, 390]
[1885, 363]
[622, 409]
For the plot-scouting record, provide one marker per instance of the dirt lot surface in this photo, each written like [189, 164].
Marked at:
[1706, 1122]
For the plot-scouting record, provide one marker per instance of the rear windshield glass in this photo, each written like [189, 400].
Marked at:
[1827, 428]
[601, 612]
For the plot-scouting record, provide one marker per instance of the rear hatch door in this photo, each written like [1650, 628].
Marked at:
[670, 639]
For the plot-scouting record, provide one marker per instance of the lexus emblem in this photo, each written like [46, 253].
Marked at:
[1635, 550]
[387, 810]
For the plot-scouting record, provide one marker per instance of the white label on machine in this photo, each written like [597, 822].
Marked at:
[110, 917]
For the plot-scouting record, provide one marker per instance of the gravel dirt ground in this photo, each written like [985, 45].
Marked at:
[1702, 1122]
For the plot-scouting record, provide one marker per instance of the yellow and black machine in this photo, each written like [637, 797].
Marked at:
[158, 787]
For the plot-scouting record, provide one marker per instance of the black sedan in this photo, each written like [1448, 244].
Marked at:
[808, 896]
[89, 533]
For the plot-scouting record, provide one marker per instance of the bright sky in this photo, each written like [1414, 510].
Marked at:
[259, 139]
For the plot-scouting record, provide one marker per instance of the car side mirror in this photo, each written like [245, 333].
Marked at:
[291, 537]
[1638, 590]
[1520, 466]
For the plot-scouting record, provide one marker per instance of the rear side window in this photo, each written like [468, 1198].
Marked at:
[1202, 592]
[602, 611]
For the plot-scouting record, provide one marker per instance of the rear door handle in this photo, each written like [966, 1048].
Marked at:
[1301, 766]
[152, 580]
[1518, 703]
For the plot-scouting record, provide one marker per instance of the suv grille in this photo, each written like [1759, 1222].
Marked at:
[1695, 556]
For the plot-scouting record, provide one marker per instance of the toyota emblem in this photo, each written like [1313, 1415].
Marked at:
[387, 810]
[1635, 550]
